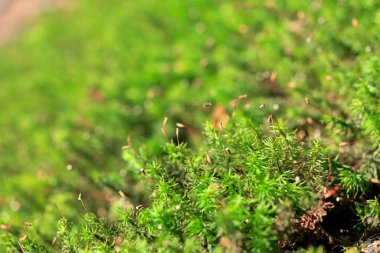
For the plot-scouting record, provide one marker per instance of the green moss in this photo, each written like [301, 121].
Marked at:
[304, 131]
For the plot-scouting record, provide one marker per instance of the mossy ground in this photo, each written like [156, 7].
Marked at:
[288, 158]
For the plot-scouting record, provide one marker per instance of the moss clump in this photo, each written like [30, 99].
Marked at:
[73, 92]
[246, 188]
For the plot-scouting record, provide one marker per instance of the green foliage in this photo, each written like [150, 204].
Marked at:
[8, 243]
[367, 103]
[29, 245]
[370, 214]
[228, 203]
[226, 195]
[73, 91]
[353, 182]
